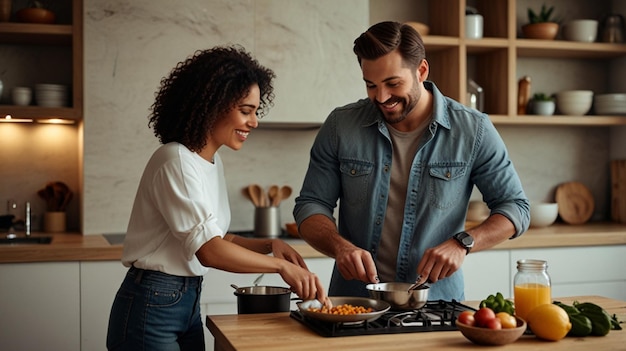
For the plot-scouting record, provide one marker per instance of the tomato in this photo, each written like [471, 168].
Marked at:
[507, 320]
[483, 316]
[466, 317]
[494, 324]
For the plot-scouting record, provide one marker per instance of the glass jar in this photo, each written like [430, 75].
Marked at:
[531, 286]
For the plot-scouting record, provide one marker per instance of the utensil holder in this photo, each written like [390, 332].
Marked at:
[267, 222]
[54, 222]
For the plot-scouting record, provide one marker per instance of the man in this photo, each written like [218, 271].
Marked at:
[403, 164]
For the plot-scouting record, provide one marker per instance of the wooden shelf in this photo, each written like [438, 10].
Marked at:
[36, 112]
[25, 33]
[67, 34]
[559, 120]
[493, 60]
[567, 49]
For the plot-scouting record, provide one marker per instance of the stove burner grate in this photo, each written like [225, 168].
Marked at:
[434, 316]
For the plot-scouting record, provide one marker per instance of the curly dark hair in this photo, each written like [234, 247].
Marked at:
[202, 89]
[385, 37]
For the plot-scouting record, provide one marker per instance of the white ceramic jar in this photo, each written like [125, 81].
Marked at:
[473, 26]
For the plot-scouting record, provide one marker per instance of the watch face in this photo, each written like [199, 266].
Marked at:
[465, 239]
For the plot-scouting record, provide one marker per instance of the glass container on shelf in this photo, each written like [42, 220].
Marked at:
[531, 286]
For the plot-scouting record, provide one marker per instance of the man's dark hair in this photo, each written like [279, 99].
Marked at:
[385, 37]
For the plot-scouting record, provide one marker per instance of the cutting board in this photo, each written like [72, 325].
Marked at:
[618, 191]
[575, 202]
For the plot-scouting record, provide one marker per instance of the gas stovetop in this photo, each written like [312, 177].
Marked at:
[434, 316]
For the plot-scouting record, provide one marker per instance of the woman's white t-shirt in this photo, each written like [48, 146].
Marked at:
[181, 203]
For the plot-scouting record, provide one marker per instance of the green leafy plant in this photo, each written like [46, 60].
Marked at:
[545, 15]
[542, 97]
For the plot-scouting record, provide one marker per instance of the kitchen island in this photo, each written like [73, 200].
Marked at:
[278, 331]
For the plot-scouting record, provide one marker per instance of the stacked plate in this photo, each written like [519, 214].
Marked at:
[610, 104]
[51, 95]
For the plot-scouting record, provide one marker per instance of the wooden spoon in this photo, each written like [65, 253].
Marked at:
[272, 193]
[256, 194]
[285, 192]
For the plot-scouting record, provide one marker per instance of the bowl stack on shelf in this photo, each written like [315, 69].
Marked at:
[610, 104]
[51, 95]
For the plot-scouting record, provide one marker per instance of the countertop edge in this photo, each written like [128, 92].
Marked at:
[78, 247]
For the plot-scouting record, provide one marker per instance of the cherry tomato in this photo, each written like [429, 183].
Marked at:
[483, 316]
[507, 320]
[494, 324]
[466, 317]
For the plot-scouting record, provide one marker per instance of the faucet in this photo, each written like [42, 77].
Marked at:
[27, 219]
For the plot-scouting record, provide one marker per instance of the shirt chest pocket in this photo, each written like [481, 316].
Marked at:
[446, 183]
[355, 178]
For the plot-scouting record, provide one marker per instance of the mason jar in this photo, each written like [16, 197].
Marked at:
[531, 286]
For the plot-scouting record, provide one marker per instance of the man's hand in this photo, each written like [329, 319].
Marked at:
[356, 263]
[442, 261]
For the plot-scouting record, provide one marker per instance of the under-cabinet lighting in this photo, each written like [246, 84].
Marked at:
[56, 121]
[10, 119]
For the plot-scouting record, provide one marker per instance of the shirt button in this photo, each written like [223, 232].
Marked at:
[353, 171]
[448, 175]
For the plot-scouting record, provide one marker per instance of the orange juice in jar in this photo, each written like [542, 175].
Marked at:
[529, 296]
[531, 286]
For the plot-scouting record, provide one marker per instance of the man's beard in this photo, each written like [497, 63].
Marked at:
[407, 106]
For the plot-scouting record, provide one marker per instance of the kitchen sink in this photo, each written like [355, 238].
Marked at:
[23, 240]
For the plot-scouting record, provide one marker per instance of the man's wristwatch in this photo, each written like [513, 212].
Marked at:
[465, 240]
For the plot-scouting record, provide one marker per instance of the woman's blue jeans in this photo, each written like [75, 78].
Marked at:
[157, 312]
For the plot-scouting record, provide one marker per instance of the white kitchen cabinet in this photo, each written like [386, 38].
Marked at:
[39, 306]
[99, 282]
[486, 273]
[576, 271]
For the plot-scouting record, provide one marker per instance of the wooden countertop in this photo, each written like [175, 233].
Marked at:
[77, 247]
[278, 331]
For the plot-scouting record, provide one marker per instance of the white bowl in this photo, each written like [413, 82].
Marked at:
[543, 214]
[574, 102]
[584, 30]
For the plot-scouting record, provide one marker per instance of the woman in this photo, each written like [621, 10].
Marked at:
[181, 213]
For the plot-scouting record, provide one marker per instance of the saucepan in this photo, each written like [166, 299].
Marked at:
[378, 308]
[399, 296]
[262, 299]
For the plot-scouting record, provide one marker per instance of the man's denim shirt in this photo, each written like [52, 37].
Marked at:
[351, 162]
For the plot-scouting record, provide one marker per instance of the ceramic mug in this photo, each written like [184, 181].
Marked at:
[22, 96]
[473, 26]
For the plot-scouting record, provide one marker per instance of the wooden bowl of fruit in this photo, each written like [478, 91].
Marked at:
[483, 327]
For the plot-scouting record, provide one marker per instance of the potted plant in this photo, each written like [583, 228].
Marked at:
[542, 104]
[541, 25]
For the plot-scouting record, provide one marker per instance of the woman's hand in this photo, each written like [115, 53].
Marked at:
[302, 282]
[281, 249]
